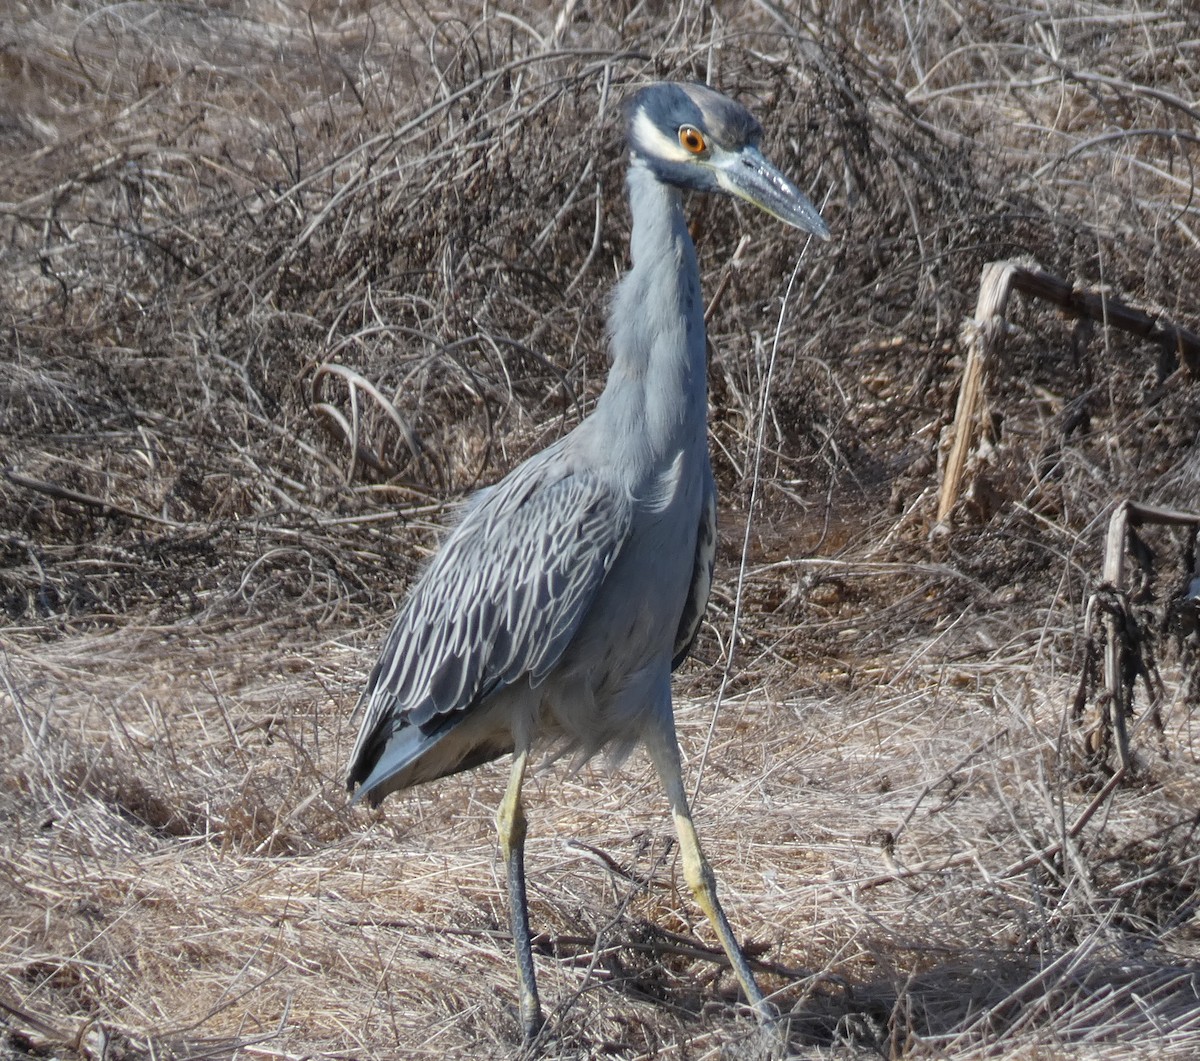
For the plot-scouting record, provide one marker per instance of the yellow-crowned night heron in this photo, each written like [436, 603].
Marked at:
[568, 592]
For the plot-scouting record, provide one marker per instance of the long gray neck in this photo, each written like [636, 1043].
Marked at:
[655, 403]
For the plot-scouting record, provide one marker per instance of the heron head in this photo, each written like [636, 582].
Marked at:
[691, 136]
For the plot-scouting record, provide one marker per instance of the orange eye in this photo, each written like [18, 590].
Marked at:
[692, 139]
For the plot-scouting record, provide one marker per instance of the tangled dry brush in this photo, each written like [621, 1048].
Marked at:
[283, 282]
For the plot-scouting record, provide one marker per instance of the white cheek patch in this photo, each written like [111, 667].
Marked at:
[722, 162]
[650, 139]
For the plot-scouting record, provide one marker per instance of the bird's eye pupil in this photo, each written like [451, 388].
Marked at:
[692, 139]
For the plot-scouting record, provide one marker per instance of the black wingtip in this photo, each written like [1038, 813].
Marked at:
[358, 794]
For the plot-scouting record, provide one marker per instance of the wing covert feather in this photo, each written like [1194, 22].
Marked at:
[702, 576]
[500, 600]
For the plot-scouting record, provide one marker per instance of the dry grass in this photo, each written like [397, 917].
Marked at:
[281, 284]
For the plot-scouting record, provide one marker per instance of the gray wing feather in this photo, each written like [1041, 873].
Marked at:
[500, 601]
[702, 575]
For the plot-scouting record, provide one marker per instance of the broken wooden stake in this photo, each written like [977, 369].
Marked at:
[1124, 634]
[985, 333]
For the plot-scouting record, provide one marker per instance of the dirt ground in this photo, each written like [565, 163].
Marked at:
[281, 284]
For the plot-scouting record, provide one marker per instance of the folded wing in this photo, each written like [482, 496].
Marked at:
[499, 604]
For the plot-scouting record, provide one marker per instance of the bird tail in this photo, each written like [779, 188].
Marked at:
[412, 755]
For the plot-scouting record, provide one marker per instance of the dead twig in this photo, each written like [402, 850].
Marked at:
[1123, 657]
[965, 858]
[108, 508]
[984, 336]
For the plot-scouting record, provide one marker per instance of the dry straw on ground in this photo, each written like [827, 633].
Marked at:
[281, 283]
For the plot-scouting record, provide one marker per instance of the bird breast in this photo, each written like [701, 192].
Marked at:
[615, 676]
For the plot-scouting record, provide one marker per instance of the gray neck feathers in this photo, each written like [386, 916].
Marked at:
[655, 402]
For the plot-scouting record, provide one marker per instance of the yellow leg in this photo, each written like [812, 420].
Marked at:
[511, 825]
[699, 874]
